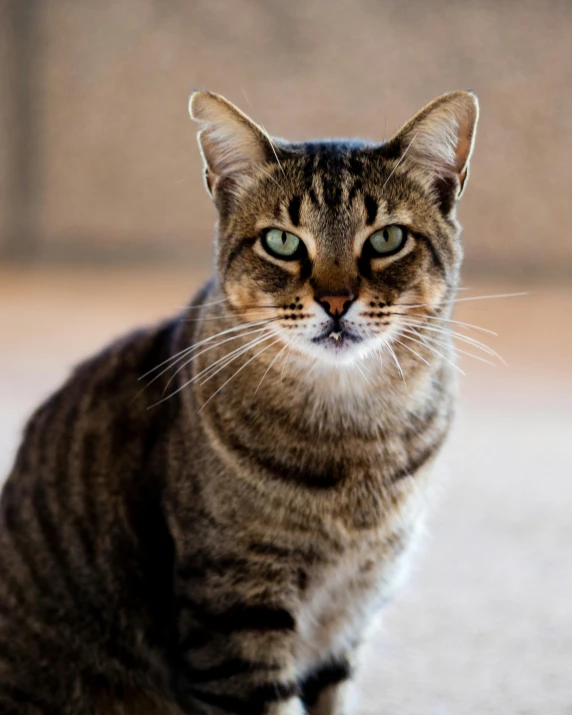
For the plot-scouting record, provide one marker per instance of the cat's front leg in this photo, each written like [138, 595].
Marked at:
[329, 690]
[292, 707]
[237, 659]
[253, 688]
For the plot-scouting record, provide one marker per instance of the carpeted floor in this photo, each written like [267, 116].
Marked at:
[485, 623]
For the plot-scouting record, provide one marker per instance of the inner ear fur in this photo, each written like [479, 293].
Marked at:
[440, 139]
[230, 142]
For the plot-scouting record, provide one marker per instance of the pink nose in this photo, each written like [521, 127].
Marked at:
[336, 305]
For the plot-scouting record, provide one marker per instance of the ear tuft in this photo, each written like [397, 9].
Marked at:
[229, 141]
[441, 136]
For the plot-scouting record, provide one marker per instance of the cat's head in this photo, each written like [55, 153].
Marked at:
[337, 242]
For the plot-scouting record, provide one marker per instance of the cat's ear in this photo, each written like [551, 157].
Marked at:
[231, 144]
[439, 141]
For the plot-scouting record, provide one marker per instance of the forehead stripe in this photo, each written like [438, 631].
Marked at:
[313, 197]
[357, 186]
[370, 208]
[294, 210]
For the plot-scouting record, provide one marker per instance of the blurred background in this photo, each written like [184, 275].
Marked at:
[104, 224]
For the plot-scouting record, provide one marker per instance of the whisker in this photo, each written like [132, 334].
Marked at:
[226, 316]
[363, 374]
[235, 314]
[219, 360]
[202, 352]
[242, 326]
[203, 305]
[189, 351]
[172, 394]
[223, 362]
[267, 135]
[273, 148]
[463, 300]
[409, 336]
[458, 336]
[272, 179]
[459, 350]
[392, 352]
[208, 320]
[268, 368]
[475, 357]
[445, 320]
[172, 358]
[408, 347]
[399, 162]
[490, 297]
[473, 342]
[284, 365]
[240, 369]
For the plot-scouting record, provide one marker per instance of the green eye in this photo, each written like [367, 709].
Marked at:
[387, 241]
[282, 244]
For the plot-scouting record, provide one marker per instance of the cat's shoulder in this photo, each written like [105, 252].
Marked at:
[106, 393]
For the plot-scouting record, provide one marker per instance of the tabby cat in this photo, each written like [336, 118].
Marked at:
[216, 537]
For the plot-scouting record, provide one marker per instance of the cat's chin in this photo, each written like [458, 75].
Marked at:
[337, 341]
[336, 348]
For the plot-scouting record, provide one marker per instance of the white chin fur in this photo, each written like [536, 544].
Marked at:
[331, 354]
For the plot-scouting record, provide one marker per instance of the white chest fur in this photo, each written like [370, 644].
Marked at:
[343, 595]
[340, 600]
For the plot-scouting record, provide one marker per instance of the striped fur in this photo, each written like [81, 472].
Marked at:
[219, 545]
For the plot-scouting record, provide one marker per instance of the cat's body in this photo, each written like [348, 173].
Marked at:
[222, 550]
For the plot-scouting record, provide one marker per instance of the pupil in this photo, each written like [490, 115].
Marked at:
[385, 234]
[283, 237]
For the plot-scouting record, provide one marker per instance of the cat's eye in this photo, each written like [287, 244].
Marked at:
[282, 244]
[387, 241]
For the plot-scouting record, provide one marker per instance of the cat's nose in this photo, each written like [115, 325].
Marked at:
[336, 305]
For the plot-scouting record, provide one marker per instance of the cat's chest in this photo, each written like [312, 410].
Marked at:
[342, 596]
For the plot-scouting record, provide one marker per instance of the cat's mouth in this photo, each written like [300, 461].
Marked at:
[337, 339]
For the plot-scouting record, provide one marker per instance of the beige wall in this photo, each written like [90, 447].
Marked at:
[5, 71]
[120, 174]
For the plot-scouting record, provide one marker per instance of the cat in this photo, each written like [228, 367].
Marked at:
[216, 537]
